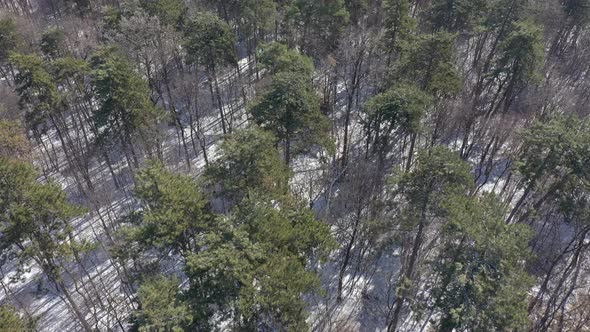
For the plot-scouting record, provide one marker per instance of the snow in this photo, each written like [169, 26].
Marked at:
[33, 292]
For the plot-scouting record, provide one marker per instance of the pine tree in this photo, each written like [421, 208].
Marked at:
[429, 62]
[175, 211]
[551, 161]
[438, 175]
[319, 23]
[278, 58]
[169, 12]
[125, 112]
[521, 57]
[9, 42]
[210, 43]
[11, 321]
[482, 284]
[395, 113]
[290, 107]
[398, 25]
[52, 43]
[161, 308]
[248, 162]
[36, 90]
[36, 224]
[288, 238]
[258, 20]
[13, 142]
[457, 15]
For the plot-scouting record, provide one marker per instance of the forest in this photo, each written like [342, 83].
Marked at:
[295, 165]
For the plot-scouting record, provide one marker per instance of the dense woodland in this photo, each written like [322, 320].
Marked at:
[294, 165]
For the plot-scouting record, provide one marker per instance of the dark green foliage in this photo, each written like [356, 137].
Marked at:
[429, 62]
[439, 173]
[36, 89]
[12, 321]
[111, 18]
[457, 15]
[36, 218]
[553, 162]
[259, 17]
[284, 226]
[452, 99]
[124, 105]
[218, 274]
[210, 42]
[554, 149]
[9, 38]
[398, 24]
[522, 53]
[175, 210]
[502, 14]
[483, 285]
[253, 265]
[277, 304]
[398, 110]
[161, 306]
[278, 58]
[70, 72]
[170, 12]
[321, 21]
[52, 43]
[248, 162]
[288, 237]
[13, 142]
[16, 177]
[290, 109]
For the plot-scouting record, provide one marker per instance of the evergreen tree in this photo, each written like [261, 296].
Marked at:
[161, 308]
[258, 20]
[36, 90]
[169, 12]
[52, 43]
[249, 161]
[290, 107]
[278, 58]
[42, 94]
[125, 111]
[210, 43]
[320, 23]
[36, 224]
[13, 142]
[287, 238]
[504, 82]
[398, 25]
[457, 15]
[439, 174]
[175, 211]
[9, 42]
[482, 285]
[11, 321]
[396, 112]
[551, 163]
[218, 274]
[429, 62]
[521, 57]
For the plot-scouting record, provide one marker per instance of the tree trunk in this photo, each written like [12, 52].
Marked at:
[347, 255]
[408, 275]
